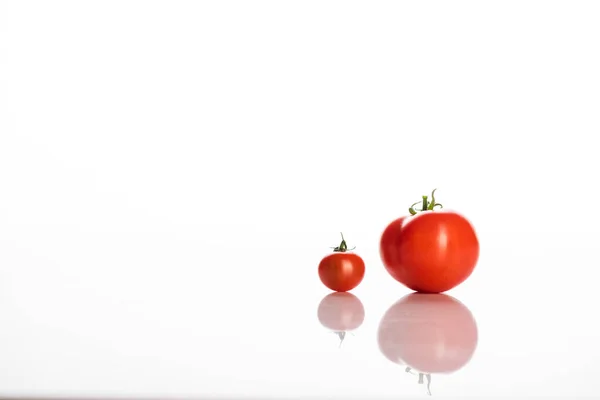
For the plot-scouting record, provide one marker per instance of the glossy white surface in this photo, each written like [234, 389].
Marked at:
[172, 173]
[165, 315]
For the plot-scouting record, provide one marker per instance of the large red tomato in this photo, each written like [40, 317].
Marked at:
[341, 271]
[430, 252]
[431, 333]
[341, 312]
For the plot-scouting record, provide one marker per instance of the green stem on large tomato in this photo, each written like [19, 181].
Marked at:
[426, 204]
[343, 247]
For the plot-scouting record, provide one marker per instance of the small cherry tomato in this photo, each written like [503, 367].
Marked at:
[341, 312]
[341, 271]
[430, 252]
[431, 333]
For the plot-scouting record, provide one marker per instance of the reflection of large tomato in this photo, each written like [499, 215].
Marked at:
[432, 333]
[341, 311]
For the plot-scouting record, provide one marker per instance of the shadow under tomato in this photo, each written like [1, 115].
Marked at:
[429, 334]
[341, 312]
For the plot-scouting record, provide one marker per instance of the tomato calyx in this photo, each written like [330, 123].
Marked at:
[426, 204]
[343, 247]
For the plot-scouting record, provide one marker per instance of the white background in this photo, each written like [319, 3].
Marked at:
[171, 174]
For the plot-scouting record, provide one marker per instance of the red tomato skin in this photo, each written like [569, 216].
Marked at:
[341, 311]
[341, 271]
[431, 252]
[432, 333]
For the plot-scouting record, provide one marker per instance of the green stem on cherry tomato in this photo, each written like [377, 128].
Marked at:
[343, 247]
[426, 205]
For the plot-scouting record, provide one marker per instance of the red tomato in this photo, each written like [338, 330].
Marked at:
[430, 252]
[432, 333]
[341, 271]
[341, 312]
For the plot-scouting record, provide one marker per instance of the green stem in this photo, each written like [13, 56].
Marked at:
[343, 247]
[426, 205]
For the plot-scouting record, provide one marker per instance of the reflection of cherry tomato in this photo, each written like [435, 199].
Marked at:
[431, 252]
[341, 271]
[341, 312]
[432, 333]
